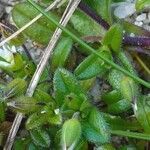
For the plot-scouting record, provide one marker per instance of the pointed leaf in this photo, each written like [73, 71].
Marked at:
[93, 66]
[85, 25]
[119, 107]
[61, 53]
[142, 111]
[115, 78]
[98, 123]
[15, 88]
[40, 137]
[41, 30]
[64, 84]
[36, 120]
[24, 104]
[71, 132]
[129, 89]
[113, 37]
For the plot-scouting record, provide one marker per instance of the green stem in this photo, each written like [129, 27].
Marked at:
[79, 41]
[136, 135]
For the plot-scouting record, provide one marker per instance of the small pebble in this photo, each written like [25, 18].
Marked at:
[138, 23]
[124, 10]
[141, 17]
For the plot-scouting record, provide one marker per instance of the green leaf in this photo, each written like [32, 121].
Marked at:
[113, 37]
[42, 96]
[84, 25]
[2, 111]
[111, 97]
[115, 78]
[129, 147]
[16, 87]
[102, 8]
[18, 62]
[119, 123]
[141, 4]
[71, 132]
[106, 147]
[97, 121]
[126, 62]
[96, 129]
[64, 84]
[21, 143]
[119, 107]
[40, 137]
[73, 102]
[41, 30]
[82, 145]
[93, 66]
[54, 116]
[87, 84]
[91, 134]
[129, 89]
[61, 53]
[142, 111]
[129, 27]
[24, 104]
[36, 120]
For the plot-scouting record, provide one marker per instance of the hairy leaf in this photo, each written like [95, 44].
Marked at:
[142, 111]
[85, 25]
[113, 37]
[61, 53]
[41, 30]
[16, 87]
[93, 66]
[64, 84]
[40, 137]
[71, 132]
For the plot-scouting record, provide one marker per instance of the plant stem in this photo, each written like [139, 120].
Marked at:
[84, 7]
[127, 40]
[136, 135]
[86, 46]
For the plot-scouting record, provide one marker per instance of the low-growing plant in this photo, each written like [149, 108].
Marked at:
[62, 113]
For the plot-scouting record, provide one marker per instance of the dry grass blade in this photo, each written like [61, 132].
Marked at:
[53, 5]
[72, 5]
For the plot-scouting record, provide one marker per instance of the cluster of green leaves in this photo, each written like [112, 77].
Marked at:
[62, 115]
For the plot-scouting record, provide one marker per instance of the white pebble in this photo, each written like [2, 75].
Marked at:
[141, 17]
[124, 10]
[138, 23]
